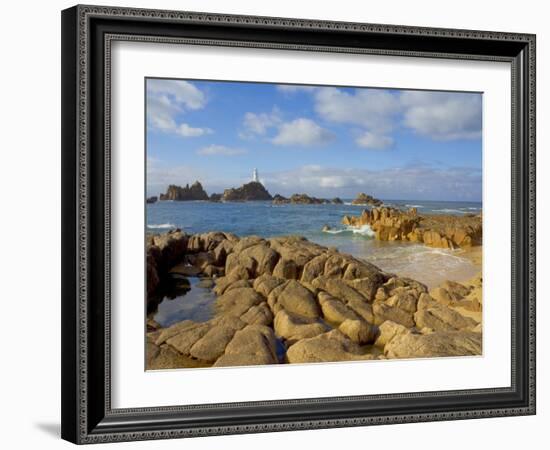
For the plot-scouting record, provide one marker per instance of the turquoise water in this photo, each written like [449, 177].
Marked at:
[431, 266]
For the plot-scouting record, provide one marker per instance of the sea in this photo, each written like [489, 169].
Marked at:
[430, 266]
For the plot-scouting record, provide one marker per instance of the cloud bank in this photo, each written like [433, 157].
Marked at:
[415, 182]
[441, 116]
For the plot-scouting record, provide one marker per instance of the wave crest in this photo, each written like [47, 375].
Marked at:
[363, 230]
[161, 225]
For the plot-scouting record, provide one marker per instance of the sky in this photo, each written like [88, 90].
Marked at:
[320, 140]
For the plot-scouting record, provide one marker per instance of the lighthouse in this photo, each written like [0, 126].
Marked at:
[255, 176]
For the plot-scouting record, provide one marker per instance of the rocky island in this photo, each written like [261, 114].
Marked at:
[365, 199]
[247, 192]
[313, 302]
[186, 193]
[303, 199]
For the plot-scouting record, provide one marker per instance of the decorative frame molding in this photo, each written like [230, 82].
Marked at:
[87, 34]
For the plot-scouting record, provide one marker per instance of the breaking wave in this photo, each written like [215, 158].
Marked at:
[449, 210]
[161, 225]
[363, 230]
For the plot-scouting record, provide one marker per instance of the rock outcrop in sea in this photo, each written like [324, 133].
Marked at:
[442, 231]
[247, 192]
[314, 302]
[365, 199]
[215, 198]
[303, 199]
[152, 199]
[186, 193]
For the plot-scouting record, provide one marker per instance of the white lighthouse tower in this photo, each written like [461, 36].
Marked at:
[255, 176]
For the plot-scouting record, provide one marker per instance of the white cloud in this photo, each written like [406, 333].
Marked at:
[443, 115]
[188, 131]
[259, 123]
[302, 132]
[222, 150]
[374, 141]
[378, 112]
[183, 93]
[373, 109]
[166, 99]
[293, 88]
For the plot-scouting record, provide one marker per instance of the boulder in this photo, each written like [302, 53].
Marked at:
[314, 268]
[221, 251]
[254, 344]
[258, 315]
[224, 284]
[167, 333]
[383, 312]
[358, 331]
[185, 339]
[334, 310]
[388, 330]
[169, 249]
[455, 290]
[212, 345]
[425, 301]
[246, 242]
[336, 265]
[442, 318]
[236, 302]
[243, 359]
[163, 357]
[338, 288]
[327, 347]
[405, 300]
[441, 295]
[265, 259]
[292, 327]
[264, 284]
[363, 309]
[242, 264]
[296, 248]
[442, 343]
[286, 269]
[294, 298]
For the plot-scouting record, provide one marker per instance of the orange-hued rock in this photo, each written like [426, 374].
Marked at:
[441, 231]
[289, 300]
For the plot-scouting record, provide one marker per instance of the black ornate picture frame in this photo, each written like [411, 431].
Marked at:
[87, 35]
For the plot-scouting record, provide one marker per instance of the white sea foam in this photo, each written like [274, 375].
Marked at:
[161, 225]
[414, 206]
[364, 230]
[449, 210]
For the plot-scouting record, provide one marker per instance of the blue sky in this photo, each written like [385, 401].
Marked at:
[324, 141]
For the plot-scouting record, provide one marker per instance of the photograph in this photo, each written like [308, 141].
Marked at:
[298, 224]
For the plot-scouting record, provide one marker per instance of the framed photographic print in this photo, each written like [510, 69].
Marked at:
[280, 224]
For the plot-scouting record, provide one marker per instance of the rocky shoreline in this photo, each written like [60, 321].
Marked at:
[288, 300]
[441, 231]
